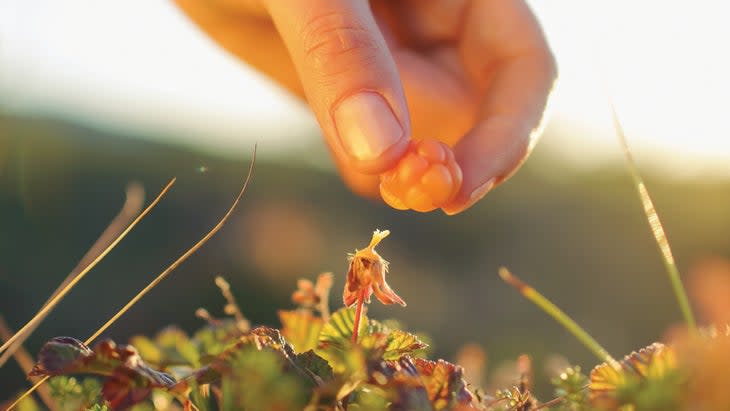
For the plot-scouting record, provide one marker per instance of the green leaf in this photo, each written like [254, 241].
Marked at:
[301, 329]
[259, 338]
[72, 393]
[212, 340]
[170, 348]
[177, 347]
[369, 398]
[336, 347]
[197, 398]
[337, 332]
[314, 366]
[257, 381]
[148, 349]
[400, 343]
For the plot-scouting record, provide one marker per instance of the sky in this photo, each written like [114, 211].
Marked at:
[140, 67]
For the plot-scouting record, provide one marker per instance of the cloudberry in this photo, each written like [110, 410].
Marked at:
[426, 177]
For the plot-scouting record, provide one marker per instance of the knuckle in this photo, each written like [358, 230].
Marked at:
[329, 37]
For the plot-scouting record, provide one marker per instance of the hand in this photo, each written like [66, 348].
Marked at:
[474, 74]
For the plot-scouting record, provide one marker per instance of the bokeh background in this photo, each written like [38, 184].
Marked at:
[94, 95]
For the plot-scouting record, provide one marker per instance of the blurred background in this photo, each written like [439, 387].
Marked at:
[95, 95]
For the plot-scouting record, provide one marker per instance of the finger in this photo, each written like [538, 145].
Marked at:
[432, 22]
[442, 103]
[517, 77]
[349, 79]
[364, 185]
[494, 31]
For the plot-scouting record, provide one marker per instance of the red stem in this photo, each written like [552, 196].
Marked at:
[358, 315]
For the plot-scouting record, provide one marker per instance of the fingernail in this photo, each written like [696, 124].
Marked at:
[475, 196]
[366, 125]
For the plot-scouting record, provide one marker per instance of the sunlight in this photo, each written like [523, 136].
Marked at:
[662, 63]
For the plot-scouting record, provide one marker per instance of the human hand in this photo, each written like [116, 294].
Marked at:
[474, 74]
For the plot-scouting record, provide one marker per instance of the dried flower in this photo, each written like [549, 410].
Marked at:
[366, 275]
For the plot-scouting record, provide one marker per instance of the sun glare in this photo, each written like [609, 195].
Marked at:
[664, 65]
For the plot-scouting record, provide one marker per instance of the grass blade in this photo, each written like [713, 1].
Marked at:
[25, 361]
[180, 259]
[559, 316]
[160, 277]
[656, 226]
[51, 304]
[133, 202]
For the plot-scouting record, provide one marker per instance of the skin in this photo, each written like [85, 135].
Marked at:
[475, 74]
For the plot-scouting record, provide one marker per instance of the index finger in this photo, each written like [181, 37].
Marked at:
[506, 55]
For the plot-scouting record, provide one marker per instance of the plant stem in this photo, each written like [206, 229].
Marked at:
[656, 226]
[51, 304]
[559, 316]
[161, 276]
[25, 360]
[133, 203]
[358, 315]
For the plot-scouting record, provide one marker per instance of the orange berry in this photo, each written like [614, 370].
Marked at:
[426, 177]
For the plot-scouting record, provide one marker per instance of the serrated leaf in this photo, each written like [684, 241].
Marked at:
[400, 343]
[650, 363]
[259, 338]
[336, 347]
[444, 383]
[301, 329]
[337, 331]
[605, 381]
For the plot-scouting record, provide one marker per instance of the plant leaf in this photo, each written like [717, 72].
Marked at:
[301, 329]
[72, 393]
[61, 355]
[213, 339]
[129, 379]
[607, 383]
[400, 343]
[314, 365]
[444, 383]
[337, 331]
[257, 381]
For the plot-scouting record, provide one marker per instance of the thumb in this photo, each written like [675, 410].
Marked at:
[349, 78]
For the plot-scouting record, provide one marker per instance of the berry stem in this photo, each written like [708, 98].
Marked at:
[358, 315]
